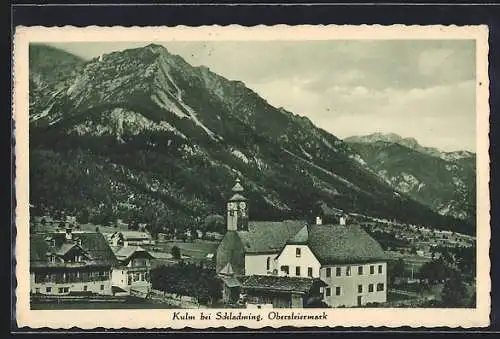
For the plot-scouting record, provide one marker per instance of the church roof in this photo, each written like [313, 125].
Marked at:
[237, 187]
[335, 244]
[237, 197]
[301, 237]
[269, 236]
[227, 270]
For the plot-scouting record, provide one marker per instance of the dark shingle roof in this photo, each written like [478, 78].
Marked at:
[276, 283]
[269, 236]
[337, 244]
[124, 253]
[94, 244]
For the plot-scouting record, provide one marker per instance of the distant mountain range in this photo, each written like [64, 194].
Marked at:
[142, 134]
[444, 181]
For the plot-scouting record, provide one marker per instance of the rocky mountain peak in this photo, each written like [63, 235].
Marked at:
[142, 131]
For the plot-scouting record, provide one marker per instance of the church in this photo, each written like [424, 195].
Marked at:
[294, 263]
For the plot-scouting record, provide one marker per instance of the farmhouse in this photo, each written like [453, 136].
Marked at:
[290, 263]
[132, 273]
[67, 262]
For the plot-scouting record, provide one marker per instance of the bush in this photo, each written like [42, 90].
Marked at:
[176, 252]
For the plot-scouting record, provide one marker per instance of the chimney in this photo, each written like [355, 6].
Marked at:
[319, 221]
[69, 234]
[343, 219]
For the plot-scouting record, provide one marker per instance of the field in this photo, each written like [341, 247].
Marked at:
[195, 251]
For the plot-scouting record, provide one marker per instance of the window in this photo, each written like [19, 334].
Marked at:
[297, 252]
[328, 292]
[85, 288]
[348, 271]
[309, 271]
[360, 270]
[285, 269]
[297, 271]
[328, 272]
[338, 271]
[60, 290]
[380, 269]
[37, 290]
[48, 289]
[102, 287]
[360, 288]
[372, 269]
[370, 288]
[66, 289]
[268, 264]
[380, 287]
[337, 290]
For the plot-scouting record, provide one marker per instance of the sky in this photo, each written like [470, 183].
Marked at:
[424, 89]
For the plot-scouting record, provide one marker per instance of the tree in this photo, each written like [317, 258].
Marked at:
[176, 252]
[434, 271]
[454, 292]
[396, 269]
[214, 223]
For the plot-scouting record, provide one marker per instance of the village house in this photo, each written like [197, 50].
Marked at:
[131, 275]
[289, 263]
[68, 262]
[136, 238]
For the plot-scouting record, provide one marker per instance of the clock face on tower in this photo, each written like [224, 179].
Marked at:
[243, 205]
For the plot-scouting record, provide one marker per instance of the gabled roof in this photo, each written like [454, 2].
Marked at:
[126, 252]
[335, 244]
[129, 235]
[281, 284]
[301, 237]
[227, 270]
[65, 248]
[269, 236]
[237, 187]
[94, 244]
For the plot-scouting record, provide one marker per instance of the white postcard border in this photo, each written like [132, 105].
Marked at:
[150, 319]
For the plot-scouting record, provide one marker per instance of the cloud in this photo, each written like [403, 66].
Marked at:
[441, 116]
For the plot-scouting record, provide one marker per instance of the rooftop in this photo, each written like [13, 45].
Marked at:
[269, 236]
[283, 284]
[94, 244]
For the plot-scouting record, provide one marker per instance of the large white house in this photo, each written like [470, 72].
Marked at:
[350, 265]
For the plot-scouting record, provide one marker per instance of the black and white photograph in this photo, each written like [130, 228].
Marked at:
[233, 180]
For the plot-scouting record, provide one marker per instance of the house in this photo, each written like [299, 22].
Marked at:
[132, 272]
[136, 238]
[345, 257]
[341, 260]
[67, 262]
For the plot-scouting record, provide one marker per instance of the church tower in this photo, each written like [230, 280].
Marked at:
[237, 209]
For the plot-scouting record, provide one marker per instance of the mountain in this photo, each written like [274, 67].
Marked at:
[444, 181]
[410, 143]
[142, 134]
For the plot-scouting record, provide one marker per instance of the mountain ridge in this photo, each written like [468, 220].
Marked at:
[411, 143]
[444, 181]
[146, 135]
